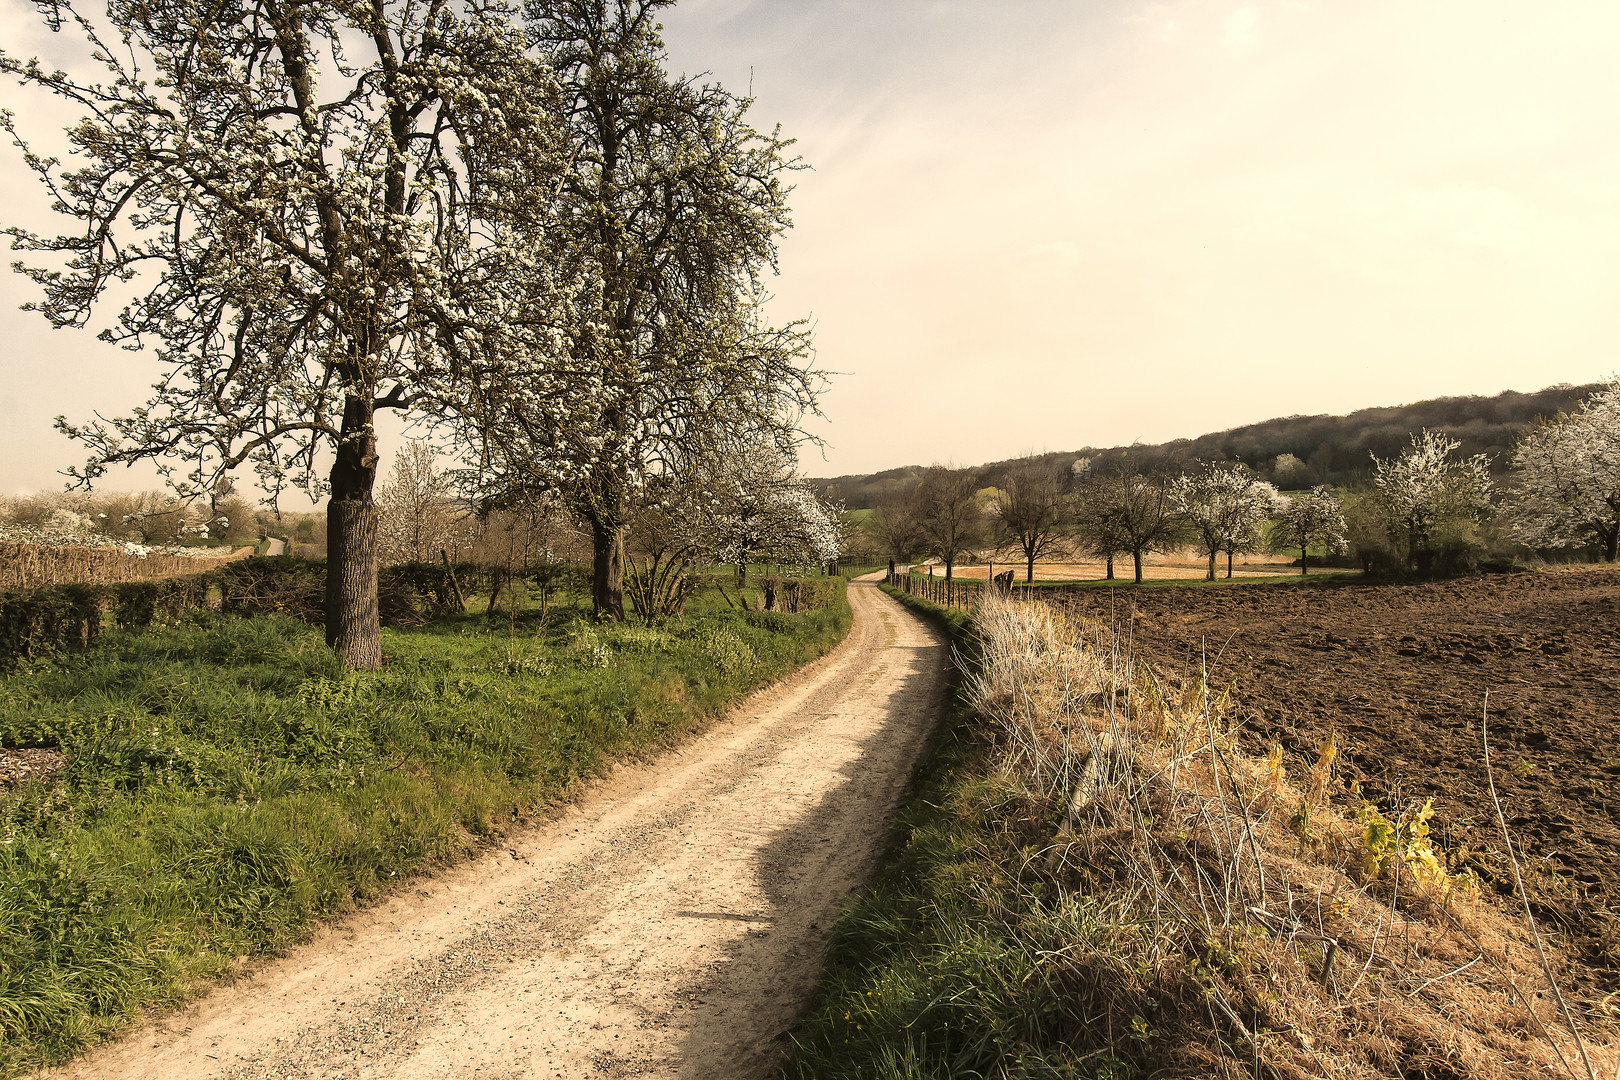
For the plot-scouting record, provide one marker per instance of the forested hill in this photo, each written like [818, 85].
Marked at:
[1297, 451]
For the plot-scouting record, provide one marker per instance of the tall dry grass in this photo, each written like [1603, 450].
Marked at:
[1274, 935]
[29, 566]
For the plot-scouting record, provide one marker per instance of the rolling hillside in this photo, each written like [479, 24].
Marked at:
[1328, 449]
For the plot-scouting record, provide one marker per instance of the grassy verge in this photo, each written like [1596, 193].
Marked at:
[1091, 880]
[228, 783]
[916, 982]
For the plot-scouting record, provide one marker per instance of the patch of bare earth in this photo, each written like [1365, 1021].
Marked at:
[16, 766]
[669, 924]
[1399, 673]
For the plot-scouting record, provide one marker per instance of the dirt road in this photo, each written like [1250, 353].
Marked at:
[670, 924]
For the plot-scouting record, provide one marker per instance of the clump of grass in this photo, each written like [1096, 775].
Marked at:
[228, 783]
[1094, 881]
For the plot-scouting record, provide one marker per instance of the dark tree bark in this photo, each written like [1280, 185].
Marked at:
[352, 627]
[1136, 561]
[607, 569]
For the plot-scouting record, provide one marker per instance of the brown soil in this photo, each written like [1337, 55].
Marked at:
[669, 924]
[28, 764]
[1400, 674]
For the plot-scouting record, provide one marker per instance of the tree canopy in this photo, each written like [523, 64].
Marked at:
[299, 194]
[1431, 497]
[1226, 509]
[1565, 489]
[664, 223]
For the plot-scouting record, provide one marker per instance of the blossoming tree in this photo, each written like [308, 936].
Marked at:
[664, 222]
[1430, 497]
[1566, 477]
[1226, 508]
[763, 511]
[1314, 519]
[296, 191]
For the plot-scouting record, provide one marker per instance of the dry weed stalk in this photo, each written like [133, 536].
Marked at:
[1283, 938]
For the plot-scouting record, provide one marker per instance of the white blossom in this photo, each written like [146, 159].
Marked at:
[1431, 497]
[1227, 508]
[1565, 489]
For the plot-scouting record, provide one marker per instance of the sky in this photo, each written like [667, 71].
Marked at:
[1033, 225]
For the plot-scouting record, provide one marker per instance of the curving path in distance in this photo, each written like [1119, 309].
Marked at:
[669, 924]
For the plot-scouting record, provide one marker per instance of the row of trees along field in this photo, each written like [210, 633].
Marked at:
[1298, 452]
[1429, 509]
[511, 223]
[741, 504]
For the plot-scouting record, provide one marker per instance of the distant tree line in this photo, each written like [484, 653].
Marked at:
[1296, 452]
[1430, 507]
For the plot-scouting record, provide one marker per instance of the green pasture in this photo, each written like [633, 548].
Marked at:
[228, 783]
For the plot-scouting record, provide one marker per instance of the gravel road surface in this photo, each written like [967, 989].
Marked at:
[669, 924]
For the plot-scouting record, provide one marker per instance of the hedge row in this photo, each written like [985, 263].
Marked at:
[36, 622]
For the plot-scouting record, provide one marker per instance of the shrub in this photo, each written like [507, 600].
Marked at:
[798, 594]
[41, 621]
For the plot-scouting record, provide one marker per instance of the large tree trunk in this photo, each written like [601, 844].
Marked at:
[1136, 560]
[1029, 570]
[1304, 563]
[1212, 553]
[352, 628]
[1611, 544]
[1229, 566]
[1110, 568]
[607, 566]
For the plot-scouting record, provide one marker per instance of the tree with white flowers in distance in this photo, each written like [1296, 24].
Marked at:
[664, 223]
[417, 515]
[1226, 508]
[761, 510]
[1314, 519]
[1565, 489]
[1433, 500]
[297, 192]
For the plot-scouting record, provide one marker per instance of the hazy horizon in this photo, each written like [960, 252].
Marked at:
[1052, 225]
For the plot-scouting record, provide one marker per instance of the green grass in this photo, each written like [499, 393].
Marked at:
[229, 784]
[941, 968]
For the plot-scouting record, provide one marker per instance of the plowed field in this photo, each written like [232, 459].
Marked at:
[1400, 673]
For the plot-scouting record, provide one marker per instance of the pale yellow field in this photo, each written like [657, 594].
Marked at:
[1159, 567]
